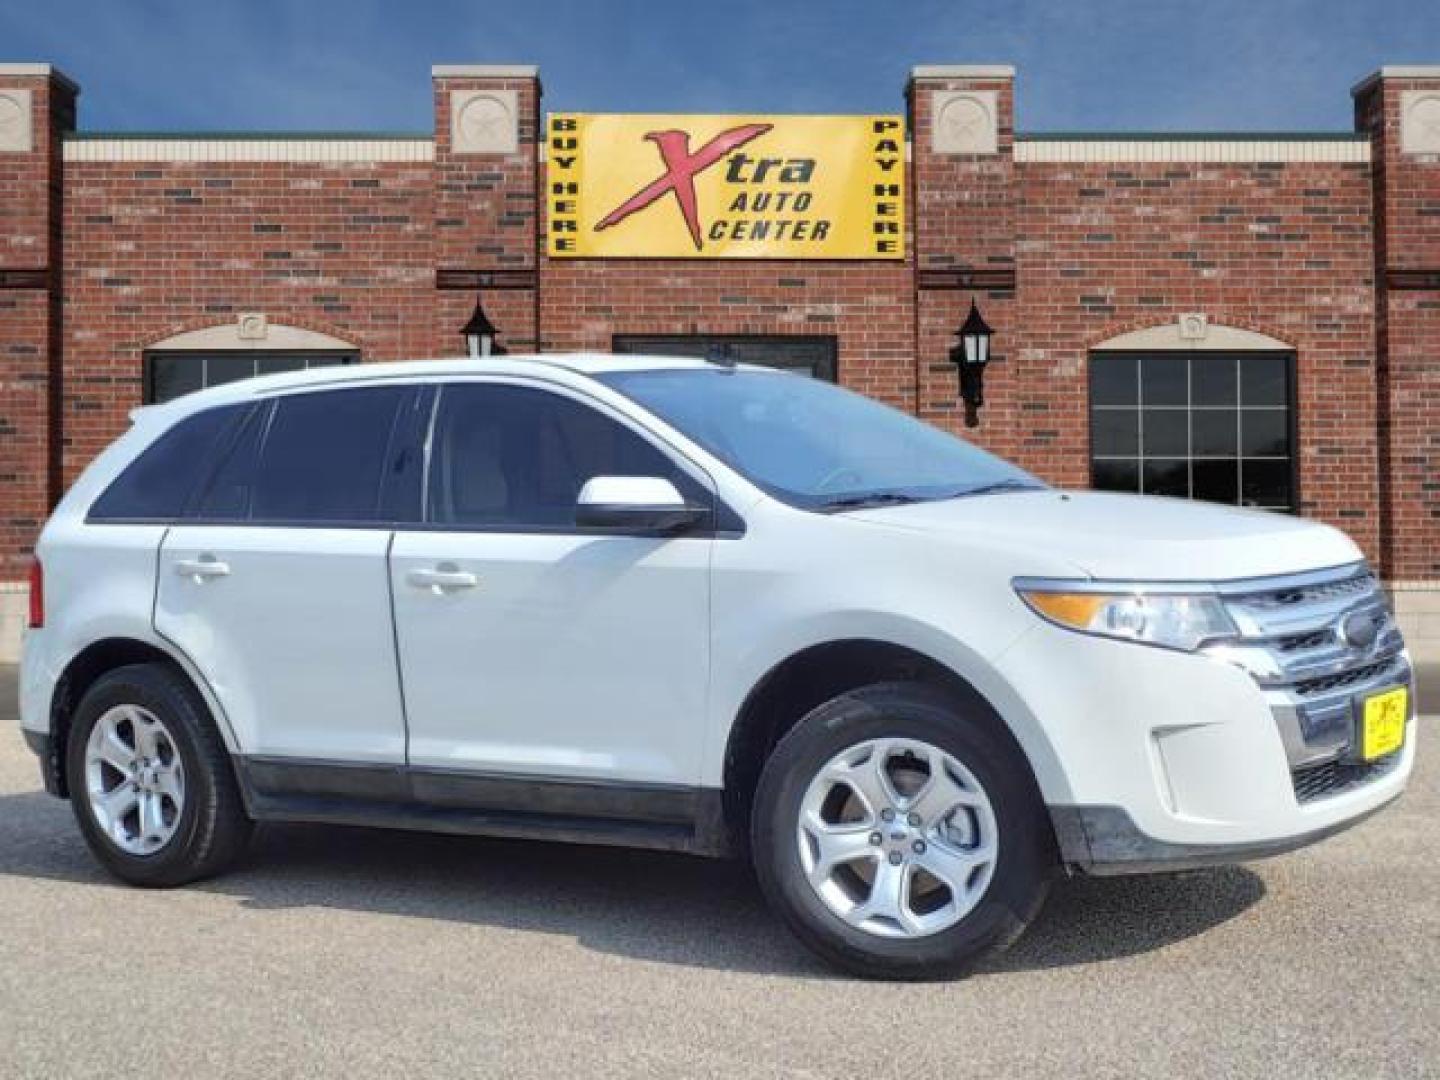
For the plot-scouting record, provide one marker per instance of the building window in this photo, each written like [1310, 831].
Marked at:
[1195, 425]
[813, 356]
[171, 374]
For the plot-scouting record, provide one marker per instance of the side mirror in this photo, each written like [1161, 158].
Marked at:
[635, 503]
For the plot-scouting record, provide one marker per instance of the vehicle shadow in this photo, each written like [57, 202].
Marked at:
[657, 907]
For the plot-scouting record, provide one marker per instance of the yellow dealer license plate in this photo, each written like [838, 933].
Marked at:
[1382, 723]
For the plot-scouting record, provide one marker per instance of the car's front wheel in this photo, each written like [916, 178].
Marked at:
[899, 835]
[150, 780]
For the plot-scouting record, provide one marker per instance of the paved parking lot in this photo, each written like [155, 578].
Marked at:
[344, 952]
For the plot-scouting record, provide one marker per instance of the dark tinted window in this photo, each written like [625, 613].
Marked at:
[226, 496]
[316, 458]
[513, 457]
[168, 375]
[156, 485]
[813, 356]
[1200, 425]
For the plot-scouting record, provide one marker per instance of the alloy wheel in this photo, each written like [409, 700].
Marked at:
[897, 838]
[134, 779]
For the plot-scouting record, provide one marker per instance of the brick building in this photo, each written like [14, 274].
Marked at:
[1244, 318]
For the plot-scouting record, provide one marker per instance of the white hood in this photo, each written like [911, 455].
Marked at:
[1132, 536]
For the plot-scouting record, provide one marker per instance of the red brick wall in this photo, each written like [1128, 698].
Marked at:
[1283, 249]
[1060, 256]
[865, 306]
[1100, 249]
[1407, 204]
[964, 224]
[30, 370]
[157, 248]
[486, 213]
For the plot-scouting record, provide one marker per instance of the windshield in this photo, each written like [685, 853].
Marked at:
[813, 444]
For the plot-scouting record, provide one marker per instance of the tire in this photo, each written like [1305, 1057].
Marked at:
[993, 901]
[147, 709]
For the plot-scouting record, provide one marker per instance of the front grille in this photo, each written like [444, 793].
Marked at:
[1356, 585]
[1313, 639]
[1352, 677]
[1333, 777]
[1292, 642]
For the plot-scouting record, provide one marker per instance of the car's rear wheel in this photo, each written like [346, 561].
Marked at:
[900, 835]
[150, 781]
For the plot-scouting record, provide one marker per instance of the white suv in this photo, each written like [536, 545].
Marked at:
[700, 607]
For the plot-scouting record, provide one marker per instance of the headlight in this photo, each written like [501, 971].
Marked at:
[1174, 620]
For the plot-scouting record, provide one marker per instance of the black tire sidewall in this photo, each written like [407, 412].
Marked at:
[171, 702]
[1022, 874]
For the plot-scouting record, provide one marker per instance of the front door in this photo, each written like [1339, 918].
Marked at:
[528, 645]
[276, 588]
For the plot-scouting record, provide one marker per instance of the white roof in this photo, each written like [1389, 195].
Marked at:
[541, 364]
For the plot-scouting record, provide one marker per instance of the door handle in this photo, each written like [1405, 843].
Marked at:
[442, 578]
[203, 568]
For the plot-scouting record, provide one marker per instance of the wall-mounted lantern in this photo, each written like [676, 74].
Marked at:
[970, 356]
[480, 335]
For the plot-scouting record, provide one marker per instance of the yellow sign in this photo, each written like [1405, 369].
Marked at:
[727, 187]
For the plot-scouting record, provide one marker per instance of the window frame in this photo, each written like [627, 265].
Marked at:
[721, 520]
[1292, 425]
[656, 345]
[348, 358]
[416, 433]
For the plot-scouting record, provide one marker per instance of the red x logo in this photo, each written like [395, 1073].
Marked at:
[681, 168]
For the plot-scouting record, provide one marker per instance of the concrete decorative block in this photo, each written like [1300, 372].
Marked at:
[965, 122]
[16, 129]
[252, 326]
[1193, 326]
[484, 122]
[1420, 122]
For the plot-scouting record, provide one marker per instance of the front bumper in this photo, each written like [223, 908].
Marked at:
[1171, 760]
[1105, 841]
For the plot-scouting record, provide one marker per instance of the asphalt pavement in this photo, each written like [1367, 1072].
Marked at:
[355, 953]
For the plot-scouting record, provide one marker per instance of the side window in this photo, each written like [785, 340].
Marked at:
[227, 495]
[515, 457]
[156, 485]
[328, 457]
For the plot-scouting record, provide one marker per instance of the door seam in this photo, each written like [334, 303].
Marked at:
[395, 644]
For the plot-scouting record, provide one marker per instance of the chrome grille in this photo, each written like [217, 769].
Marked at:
[1356, 585]
[1312, 640]
[1310, 687]
[1292, 644]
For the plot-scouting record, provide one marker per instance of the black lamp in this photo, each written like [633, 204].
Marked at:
[970, 356]
[480, 334]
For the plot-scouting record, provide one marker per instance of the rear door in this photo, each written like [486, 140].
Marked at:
[275, 585]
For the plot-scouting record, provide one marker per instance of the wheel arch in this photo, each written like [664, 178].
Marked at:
[98, 659]
[818, 672]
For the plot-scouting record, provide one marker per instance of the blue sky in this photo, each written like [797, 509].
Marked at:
[364, 64]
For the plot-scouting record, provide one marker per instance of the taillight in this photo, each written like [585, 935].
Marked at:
[37, 595]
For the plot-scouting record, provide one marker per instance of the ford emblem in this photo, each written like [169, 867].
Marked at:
[1359, 630]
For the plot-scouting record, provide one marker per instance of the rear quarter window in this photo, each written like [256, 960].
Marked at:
[157, 484]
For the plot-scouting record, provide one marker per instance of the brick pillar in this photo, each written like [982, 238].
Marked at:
[37, 105]
[963, 209]
[1400, 108]
[486, 205]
